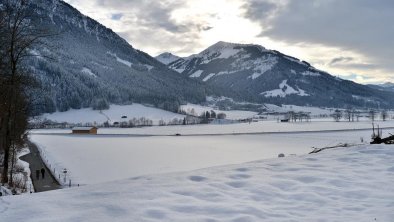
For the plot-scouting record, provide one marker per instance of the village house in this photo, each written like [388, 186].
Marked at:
[85, 130]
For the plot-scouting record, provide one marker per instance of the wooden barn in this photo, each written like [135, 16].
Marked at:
[85, 130]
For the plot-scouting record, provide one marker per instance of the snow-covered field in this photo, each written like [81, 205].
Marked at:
[346, 184]
[101, 158]
[254, 127]
[232, 114]
[314, 111]
[116, 112]
[113, 114]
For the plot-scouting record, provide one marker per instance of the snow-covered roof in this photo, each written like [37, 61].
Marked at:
[84, 128]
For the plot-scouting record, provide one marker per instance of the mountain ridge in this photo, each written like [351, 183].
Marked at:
[253, 73]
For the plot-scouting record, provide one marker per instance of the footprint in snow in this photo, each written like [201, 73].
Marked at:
[236, 184]
[197, 178]
[307, 179]
[156, 214]
[242, 169]
[239, 176]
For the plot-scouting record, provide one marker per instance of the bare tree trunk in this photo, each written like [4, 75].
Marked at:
[17, 36]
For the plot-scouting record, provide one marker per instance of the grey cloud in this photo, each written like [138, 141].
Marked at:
[147, 13]
[354, 77]
[359, 66]
[260, 10]
[149, 24]
[341, 60]
[206, 28]
[116, 16]
[363, 26]
[348, 62]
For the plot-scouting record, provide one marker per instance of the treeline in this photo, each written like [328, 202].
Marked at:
[352, 115]
[204, 117]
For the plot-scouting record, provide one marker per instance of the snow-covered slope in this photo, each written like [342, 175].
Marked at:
[167, 58]
[351, 184]
[113, 114]
[248, 72]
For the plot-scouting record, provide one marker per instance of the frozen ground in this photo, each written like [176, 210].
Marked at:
[101, 158]
[254, 127]
[347, 184]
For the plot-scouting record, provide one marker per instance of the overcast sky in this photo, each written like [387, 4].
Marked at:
[353, 39]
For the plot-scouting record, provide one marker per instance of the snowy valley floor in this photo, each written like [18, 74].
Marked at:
[261, 127]
[103, 158]
[344, 184]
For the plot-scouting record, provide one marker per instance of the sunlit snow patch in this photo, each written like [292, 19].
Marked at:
[208, 77]
[127, 63]
[196, 74]
[88, 72]
[283, 91]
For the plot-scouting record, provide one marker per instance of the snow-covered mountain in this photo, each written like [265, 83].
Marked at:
[387, 86]
[91, 66]
[167, 58]
[252, 73]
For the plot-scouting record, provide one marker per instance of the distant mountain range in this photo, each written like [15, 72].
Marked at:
[92, 66]
[252, 73]
[388, 86]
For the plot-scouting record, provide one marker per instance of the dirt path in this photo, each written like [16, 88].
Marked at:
[36, 163]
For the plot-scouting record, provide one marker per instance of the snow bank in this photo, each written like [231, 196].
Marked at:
[351, 184]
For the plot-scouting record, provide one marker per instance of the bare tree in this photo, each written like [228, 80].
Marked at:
[337, 115]
[357, 114]
[221, 116]
[372, 114]
[348, 114]
[384, 115]
[18, 37]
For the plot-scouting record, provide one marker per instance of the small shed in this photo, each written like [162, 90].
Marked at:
[85, 130]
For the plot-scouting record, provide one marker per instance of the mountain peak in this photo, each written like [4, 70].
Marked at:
[167, 58]
[225, 45]
[224, 50]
